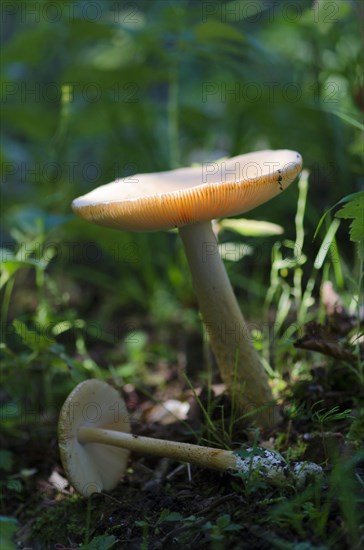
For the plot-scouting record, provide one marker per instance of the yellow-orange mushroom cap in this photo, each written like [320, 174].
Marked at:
[163, 200]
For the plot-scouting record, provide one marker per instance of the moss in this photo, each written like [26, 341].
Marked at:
[63, 523]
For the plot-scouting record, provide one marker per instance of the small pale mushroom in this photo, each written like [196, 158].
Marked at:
[92, 467]
[189, 198]
[95, 440]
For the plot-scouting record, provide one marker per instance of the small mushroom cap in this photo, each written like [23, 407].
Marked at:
[151, 202]
[92, 467]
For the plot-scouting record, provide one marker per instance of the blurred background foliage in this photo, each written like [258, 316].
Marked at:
[98, 90]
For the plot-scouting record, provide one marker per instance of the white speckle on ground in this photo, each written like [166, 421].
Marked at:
[305, 472]
[271, 467]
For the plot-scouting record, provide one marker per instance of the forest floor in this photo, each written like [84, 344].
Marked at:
[160, 503]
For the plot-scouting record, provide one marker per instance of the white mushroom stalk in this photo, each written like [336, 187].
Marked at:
[206, 457]
[94, 443]
[239, 364]
[189, 198]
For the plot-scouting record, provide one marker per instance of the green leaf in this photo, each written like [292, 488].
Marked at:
[14, 485]
[326, 244]
[233, 527]
[223, 521]
[34, 340]
[11, 264]
[173, 516]
[239, 10]
[102, 542]
[28, 218]
[6, 460]
[217, 30]
[29, 44]
[350, 119]
[354, 210]
[308, 546]
[325, 14]
[8, 527]
[251, 228]
[347, 198]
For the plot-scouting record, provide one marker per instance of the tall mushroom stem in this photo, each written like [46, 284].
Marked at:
[239, 364]
[206, 457]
